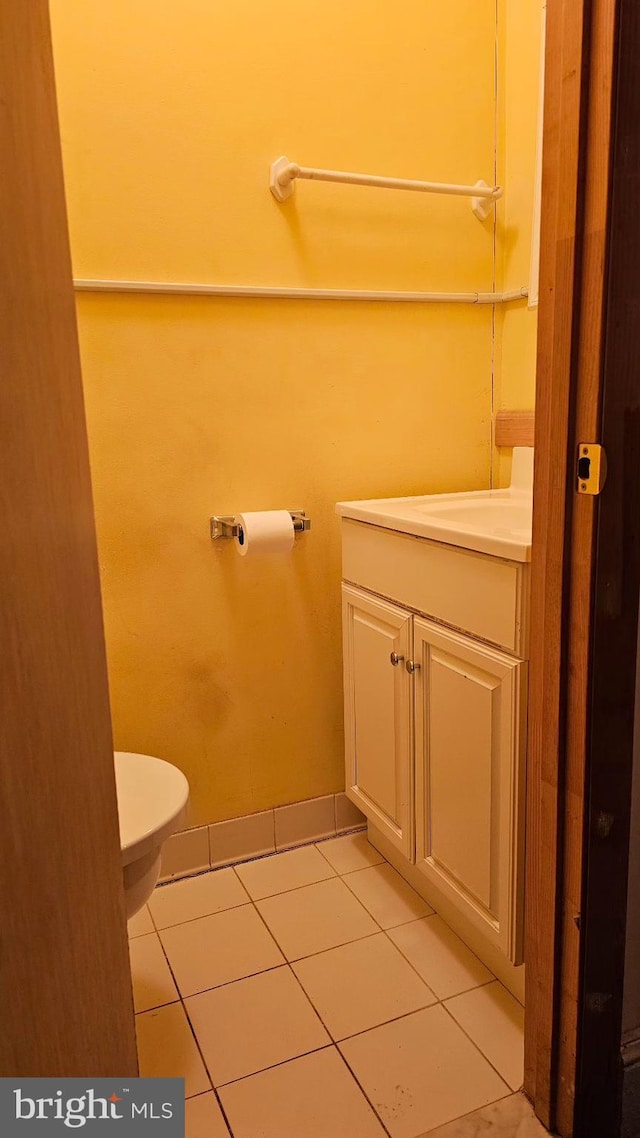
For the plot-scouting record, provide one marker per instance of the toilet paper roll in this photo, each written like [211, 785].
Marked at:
[264, 531]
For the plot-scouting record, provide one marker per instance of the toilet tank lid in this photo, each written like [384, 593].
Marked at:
[151, 796]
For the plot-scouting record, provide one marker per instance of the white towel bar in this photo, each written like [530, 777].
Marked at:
[283, 174]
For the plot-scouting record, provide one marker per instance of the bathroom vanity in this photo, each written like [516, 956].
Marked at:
[435, 622]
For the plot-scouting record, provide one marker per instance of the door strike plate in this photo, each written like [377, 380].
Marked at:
[591, 468]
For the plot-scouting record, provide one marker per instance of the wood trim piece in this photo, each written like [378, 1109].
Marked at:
[575, 205]
[586, 426]
[615, 600]
[65, 986]
[563, 113]
[514, 429]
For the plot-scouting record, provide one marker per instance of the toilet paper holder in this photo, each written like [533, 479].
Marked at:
[225, 525]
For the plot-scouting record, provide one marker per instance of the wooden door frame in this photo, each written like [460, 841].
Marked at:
[585, 571]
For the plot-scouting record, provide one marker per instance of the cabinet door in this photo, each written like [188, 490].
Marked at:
[378, 714]
[470, 704]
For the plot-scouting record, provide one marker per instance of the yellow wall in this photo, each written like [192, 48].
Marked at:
[170, 116]
[519, 34]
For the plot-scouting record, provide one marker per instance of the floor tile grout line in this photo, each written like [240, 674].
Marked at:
[359, 1084]
[348, 872]
[197, 1043]
[236, 980]
[203, 916]
[175, 982]
[186, 1015]
[238, 878]
[411, 919]
[296, 888]
[273, 937]
[469, 1114]
[343, 944]
[427, 916]
[315, 1011]
[474, 954]
[373, 1026]
[440, 999]
[279, 946]
[310, 886]
[310, 1001]
[206, 1067]
[331, 1046]
[406, 958]
[271, 968]
[351, 833]
[385, 1023]
[479, 1049]
[435, 913]
[274, 1066]
[331, 1040]
[485, 984]
[468, 991]
[509, 1090]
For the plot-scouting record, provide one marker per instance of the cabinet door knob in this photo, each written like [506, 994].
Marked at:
[396, 659]
[412, 667]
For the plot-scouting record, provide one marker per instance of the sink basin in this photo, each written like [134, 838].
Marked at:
[497, 522]
[501, 514]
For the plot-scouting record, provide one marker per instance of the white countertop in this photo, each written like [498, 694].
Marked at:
[496, 522]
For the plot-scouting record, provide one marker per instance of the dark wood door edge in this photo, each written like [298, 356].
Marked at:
[564, 160]
[570, 351]
[614, 626]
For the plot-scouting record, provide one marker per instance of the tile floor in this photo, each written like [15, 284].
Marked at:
[314, 994]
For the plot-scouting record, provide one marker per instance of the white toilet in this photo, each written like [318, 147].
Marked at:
[152, 796]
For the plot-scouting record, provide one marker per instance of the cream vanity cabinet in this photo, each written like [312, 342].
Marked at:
[435, 645]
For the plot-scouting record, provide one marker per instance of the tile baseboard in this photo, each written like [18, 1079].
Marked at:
[255, 835]
[184, 853]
